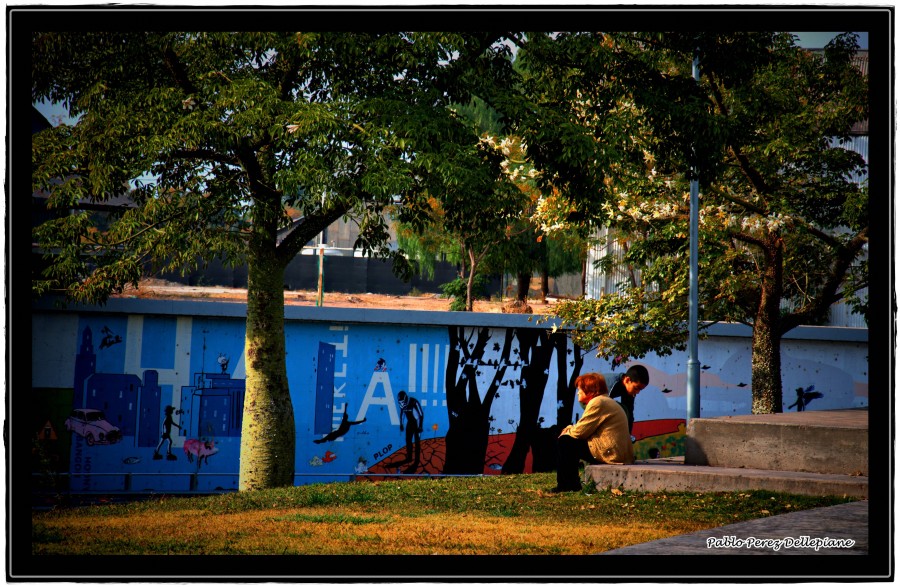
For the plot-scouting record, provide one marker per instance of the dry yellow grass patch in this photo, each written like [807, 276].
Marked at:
[320, 531]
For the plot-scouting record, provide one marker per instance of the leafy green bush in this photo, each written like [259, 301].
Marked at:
[456, 291]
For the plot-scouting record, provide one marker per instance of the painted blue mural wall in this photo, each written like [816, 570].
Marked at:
[147, 395]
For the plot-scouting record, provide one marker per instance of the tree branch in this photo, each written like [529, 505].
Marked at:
[288, 79]
[207, 154]
[306, 228]
[750, 240]
[179, 74]
[735, 200]
[752, 175]
[830, 292]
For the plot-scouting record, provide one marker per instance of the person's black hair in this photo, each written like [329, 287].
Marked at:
[638, 373]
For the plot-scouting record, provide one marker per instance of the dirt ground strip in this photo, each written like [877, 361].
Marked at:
[161, 289]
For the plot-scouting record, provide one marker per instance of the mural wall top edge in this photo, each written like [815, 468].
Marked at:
[417, 317]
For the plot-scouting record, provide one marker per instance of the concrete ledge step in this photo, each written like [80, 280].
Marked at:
[672, 474]
[825, 441]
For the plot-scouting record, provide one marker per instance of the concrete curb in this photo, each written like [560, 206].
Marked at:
[672, 474]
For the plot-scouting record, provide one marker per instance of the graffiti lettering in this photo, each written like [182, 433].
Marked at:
[383, 452]
[78, 455]
[387, 399]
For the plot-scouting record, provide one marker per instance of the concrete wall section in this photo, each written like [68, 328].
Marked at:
[347, 274]
[493, 391]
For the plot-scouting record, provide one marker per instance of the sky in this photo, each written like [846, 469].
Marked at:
[810, 40]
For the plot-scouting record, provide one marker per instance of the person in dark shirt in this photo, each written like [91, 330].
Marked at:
[626, 386]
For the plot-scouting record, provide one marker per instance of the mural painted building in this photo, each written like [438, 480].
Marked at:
[374, 392]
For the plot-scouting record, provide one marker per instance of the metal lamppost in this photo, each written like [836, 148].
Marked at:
[693, 364]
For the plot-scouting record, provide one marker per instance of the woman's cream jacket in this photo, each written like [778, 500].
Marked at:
[605, 427]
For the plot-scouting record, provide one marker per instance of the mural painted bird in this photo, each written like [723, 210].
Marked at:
[804, 396]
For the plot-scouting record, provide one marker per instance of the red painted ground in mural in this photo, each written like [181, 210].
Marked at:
[665, 435]
[434, 454]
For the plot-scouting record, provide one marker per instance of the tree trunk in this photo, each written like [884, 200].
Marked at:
[522, 286]
[545, 270]
[584, 268]
[766, 343]
[267, 430]
[473, 264]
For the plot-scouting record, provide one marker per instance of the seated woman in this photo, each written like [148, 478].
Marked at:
[600, 436]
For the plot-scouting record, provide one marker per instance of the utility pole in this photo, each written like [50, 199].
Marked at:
[693, 364]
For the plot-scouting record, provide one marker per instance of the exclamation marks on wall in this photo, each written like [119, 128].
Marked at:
[425, 373]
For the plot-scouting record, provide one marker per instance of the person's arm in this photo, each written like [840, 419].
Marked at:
[589, 422]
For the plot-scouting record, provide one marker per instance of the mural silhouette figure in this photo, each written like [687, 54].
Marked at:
[412, 411]
[804, 396]
[109, 339]
[342, 428]
[167, 436]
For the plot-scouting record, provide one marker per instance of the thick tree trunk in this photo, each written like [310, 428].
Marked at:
[523, 284]
[267, 430]
[766, 344]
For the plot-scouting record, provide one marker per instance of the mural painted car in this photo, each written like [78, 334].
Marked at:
[92, 426]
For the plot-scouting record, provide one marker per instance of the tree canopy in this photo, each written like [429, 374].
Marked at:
[622, 127]
[213, 137]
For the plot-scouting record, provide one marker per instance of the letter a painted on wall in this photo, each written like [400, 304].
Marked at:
[324, 389]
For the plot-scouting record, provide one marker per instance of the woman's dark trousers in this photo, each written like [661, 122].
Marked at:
[569, 451]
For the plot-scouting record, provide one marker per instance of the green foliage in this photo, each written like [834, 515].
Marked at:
[457, 289]
[619, 126]
[224, 131]
[631, 323]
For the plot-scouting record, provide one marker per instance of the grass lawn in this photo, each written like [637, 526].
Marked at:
[495, 515]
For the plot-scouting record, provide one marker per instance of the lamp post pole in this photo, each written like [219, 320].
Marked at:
[693, 364]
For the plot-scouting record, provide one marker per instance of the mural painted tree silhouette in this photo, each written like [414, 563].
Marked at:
[565, 393]
[468, 411]
[537, 348]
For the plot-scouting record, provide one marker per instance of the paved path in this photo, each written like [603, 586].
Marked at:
[849, 521]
